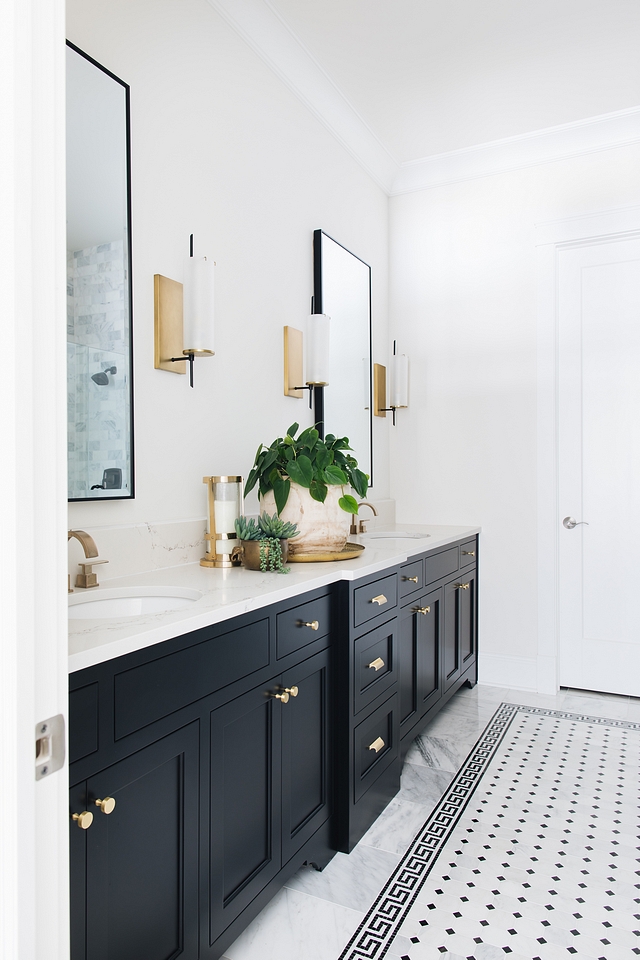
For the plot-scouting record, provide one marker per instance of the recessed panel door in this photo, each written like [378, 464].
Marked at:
[244, 821]
[429, 623]
[305, 753]
[141, 857]
[599, 466]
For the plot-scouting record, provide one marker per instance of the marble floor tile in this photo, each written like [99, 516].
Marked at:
[396, 826]
[439, 753]
[294, 926]
[455, 726]
[352, 880]
[422, 784]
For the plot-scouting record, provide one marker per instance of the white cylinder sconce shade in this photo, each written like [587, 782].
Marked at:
[198, 309]
[399, 381]
[317, 351]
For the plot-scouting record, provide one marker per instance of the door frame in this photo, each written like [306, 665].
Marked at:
[34, 815]
[551, 238]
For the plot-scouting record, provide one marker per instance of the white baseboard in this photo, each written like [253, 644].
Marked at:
[517, 673]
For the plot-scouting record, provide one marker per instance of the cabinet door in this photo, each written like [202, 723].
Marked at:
[419, 658]
[305, 753]
[459, 626]
[467, 619]
[141, 879]
[244, 821]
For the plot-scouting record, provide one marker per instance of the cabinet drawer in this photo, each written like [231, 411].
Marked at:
[374, 665]
[375, 745]
[411, 578]
[440, 565]
[375, 598]
[468, 553]
[154, 690]
[302, 625]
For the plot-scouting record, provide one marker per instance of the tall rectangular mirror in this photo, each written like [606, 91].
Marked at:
[342, 290]
[99, 338]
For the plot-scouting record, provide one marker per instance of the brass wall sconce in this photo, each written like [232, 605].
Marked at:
[184, 316]
[399, 394]
[317, 357]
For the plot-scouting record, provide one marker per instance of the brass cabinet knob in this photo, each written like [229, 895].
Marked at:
[313, 624]
[380, 599]
[468, 553]
[376, 664]
[107, 805]
[462, 586]
[292, 691]
[377, 745]
[411, 579]
[423, 610]
[84, 819]
[282, 697]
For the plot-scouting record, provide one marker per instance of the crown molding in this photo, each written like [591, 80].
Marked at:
[270, 37]
[273, 40]
[516, 153]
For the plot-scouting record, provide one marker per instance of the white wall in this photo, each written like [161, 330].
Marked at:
[222, 149]
[463, 306]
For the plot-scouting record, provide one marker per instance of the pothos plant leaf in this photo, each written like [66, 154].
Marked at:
[313, 463]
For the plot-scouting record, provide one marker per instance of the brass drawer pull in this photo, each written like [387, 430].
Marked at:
[282, 697]
[468, 553]
[462, 586]
[292, 691]
[84, 819]
[376, 664]
[377, 745]
[411, 579]
[107, 805]
[423, 610]
[313, 624]
[380, 599]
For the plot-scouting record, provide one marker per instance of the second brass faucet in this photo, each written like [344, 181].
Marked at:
[360, 527]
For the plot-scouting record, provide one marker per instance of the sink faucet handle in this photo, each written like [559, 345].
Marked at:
[88, 578]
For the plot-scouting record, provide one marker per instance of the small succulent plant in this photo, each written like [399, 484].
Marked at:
[248, 529]
[271, 555]
[274, 527]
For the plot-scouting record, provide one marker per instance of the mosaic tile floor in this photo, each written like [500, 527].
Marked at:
[531, 853]
[520, 844]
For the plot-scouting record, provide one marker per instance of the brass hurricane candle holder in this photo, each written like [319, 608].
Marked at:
[224, 496]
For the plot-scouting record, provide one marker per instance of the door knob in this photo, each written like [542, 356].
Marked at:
[107, 805]
[570, 523]
[84, 819]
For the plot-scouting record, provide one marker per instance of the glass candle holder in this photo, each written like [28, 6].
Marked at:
[224, 496]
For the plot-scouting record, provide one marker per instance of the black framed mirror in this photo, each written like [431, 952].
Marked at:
[342, 291]
[99, 283]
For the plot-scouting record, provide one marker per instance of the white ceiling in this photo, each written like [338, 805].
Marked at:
[432, 76]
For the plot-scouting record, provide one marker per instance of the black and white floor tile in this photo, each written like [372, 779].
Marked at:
[515, 834]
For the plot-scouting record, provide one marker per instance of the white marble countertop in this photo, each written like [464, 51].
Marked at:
[229, 593]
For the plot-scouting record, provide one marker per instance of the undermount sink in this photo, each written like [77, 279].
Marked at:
[394, 535]
[129, 602]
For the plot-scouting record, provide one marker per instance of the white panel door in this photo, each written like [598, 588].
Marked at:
[599, 466]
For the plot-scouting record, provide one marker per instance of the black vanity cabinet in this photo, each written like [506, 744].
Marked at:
[215, 748]
[438, 632]
[240, 751]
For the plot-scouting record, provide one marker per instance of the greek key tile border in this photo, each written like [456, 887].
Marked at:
[375, 934]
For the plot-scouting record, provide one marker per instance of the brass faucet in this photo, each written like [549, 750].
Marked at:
[87, 578]
[360, 526]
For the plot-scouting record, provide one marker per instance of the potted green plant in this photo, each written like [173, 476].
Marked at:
[265, 543]
[307, 480]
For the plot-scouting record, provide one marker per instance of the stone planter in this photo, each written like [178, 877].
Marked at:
[323, 527]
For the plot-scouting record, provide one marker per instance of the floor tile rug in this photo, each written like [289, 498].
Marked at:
[532, 852]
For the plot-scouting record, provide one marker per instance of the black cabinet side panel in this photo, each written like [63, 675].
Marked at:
[83, 721]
